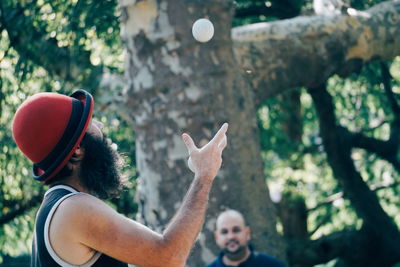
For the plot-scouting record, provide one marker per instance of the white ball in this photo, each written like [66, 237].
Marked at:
[203, 30]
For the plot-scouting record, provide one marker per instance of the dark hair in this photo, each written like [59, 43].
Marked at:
[99, 172]
[100, 167]
[60, 176]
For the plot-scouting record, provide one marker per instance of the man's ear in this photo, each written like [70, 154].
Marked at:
[248, 233]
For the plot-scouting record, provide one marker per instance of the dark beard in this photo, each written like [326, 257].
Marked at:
[100, 168]
[236, 255]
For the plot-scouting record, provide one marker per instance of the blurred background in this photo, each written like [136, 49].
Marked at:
[325, 121]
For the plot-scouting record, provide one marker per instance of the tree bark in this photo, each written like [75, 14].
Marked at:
[305, 51]
[176, 84]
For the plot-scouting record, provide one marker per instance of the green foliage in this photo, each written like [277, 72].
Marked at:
[74, 32]
[361, 106]
[264, 11]
[78, 25]
[17, 186]
[292, 166]
[83, 27]
[364, 4]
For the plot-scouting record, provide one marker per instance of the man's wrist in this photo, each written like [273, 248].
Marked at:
[204, 179]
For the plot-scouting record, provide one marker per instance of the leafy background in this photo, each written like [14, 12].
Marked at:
[295, 166]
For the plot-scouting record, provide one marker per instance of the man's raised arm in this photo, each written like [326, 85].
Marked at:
[205, 163]
[99, 227]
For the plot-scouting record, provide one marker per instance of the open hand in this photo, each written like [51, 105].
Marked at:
[206, 161]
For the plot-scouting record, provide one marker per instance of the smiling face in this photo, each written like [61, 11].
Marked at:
[232, 235]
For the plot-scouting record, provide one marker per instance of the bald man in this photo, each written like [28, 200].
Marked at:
[232, 235]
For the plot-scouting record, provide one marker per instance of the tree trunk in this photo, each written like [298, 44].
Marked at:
[176, 84]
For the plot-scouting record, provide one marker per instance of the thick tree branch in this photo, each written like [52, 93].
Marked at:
[317, 45]
[332, 198]
[338, 148]
[324, 249]
[350, 247]
[386, 150]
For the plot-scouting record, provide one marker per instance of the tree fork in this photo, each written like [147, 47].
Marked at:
[338, 148]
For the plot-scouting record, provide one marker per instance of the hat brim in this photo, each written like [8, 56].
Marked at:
[75, 131]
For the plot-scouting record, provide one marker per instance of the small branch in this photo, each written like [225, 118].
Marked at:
[386, 78]
[387, 150]
[379, 186]
[375, 126]
[327, 201]
[332, 198]
[384, 149]
[324, 220]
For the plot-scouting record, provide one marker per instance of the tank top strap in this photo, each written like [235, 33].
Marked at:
[43, 254]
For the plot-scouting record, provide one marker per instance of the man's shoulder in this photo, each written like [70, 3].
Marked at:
[82, 201]
[80, 210]
[263, 258]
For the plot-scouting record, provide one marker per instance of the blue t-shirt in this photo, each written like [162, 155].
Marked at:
[254, 260]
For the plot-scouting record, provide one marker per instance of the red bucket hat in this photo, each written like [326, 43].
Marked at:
[48, 127]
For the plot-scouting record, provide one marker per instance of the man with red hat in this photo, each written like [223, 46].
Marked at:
[73, 226]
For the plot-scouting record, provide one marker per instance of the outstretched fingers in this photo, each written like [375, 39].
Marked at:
[223, 143]
[189, 143]
[220, 135]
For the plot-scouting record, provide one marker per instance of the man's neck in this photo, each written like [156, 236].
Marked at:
[227, 261]
[72, 181]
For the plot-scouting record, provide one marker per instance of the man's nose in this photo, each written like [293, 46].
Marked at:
[231, 235]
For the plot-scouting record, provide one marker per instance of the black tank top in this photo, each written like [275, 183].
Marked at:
[43, 254]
